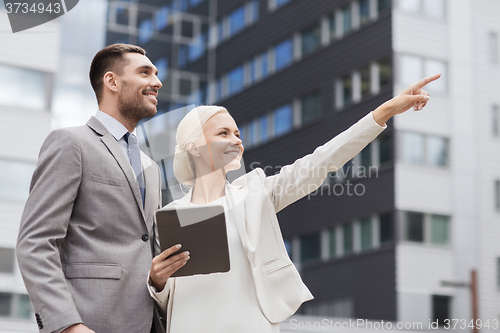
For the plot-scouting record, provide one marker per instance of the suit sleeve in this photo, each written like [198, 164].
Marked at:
[44, 223]
[308, 173]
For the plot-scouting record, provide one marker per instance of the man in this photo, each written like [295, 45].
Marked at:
[85, 241]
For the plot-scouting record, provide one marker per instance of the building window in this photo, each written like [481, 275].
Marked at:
[346, 19]
[15, 179]
[162, 66]
[264, 65]
[495, 115]
[310, 247]
[282, 120]
[6, 260]
[280, 3]
[263, 129]
[431, 8]
[5, 304]
[310, 107]
[283, 53]
[254, 11]
[437, 150]
[364, 11]
[424, 149]
[385, 149]
[332, 19]
[346, 90]
[347, 235]
[493, 47]
[415, 227]
[145, 31]
[413, 68]
[385, 228]
[332, 237]
[15, 306]
[440, 229]
[383, 5]
[15, 82]
[413, 148]
[497, 195]
[385, 72]
[440, 309]
[366, 234]
[235, 80]
[161, 18]
[236, 21]
[311, 39]
[365, 74]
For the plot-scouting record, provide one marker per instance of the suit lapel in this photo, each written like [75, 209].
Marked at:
[124, 164]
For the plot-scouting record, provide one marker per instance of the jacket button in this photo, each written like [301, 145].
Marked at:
[145, 238]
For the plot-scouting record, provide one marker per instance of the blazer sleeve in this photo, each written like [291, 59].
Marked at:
[44, 223]
[308, 173]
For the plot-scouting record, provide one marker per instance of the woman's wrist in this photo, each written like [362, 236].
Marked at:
[383, 113]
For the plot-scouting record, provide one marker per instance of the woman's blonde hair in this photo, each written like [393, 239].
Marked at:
[189, 130]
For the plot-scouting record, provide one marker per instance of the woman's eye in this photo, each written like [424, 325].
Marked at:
[223, 133]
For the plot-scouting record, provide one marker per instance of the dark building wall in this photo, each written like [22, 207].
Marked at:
[368, 278]
[364, 278]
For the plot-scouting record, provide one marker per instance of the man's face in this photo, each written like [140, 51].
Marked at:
[138, 88]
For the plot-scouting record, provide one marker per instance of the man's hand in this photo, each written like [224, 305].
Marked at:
[413, 96]
[162, 268]
[78, 328]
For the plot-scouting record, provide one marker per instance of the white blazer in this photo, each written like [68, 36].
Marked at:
[255, 199]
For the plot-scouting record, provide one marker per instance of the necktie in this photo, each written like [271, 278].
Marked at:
[135, 161]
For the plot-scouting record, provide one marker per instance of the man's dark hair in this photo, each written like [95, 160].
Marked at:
[108, 59]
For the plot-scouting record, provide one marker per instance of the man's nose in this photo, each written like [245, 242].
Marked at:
[156, 83]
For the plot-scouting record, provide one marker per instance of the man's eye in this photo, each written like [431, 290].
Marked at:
[223, 132]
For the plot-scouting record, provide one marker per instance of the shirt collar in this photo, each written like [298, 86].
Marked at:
[112, 125]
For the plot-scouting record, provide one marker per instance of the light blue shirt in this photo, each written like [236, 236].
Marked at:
[116, 129]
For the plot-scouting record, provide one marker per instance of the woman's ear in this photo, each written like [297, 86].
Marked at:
[192, 149]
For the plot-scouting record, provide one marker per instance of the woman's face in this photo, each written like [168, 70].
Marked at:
[223, 148]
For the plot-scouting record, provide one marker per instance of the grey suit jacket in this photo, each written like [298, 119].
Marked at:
[84, 246]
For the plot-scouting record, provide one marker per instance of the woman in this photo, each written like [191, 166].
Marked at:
[263, 287]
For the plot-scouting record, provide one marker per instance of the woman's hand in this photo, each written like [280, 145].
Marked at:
[413, 96]
[162, 268]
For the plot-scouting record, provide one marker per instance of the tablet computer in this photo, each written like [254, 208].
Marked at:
[202, 232]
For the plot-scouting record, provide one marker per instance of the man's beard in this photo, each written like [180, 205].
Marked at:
[132, 108]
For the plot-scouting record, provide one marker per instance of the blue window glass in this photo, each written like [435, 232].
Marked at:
[283, 54]
[263, 129]
[264, 62]
[197, 47]
[250, 132]
[161, 18]
[145, 31]
[195, 2]
[220, 31]
[280, 3]
[162, 65]
[282, 120]
[235, 80]
[253, 69]
[311, 39]
[254, 11]
[183, 56]
[219, 89]
[236, 21]
[346, 19]
[184, 5]
[310, 247]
